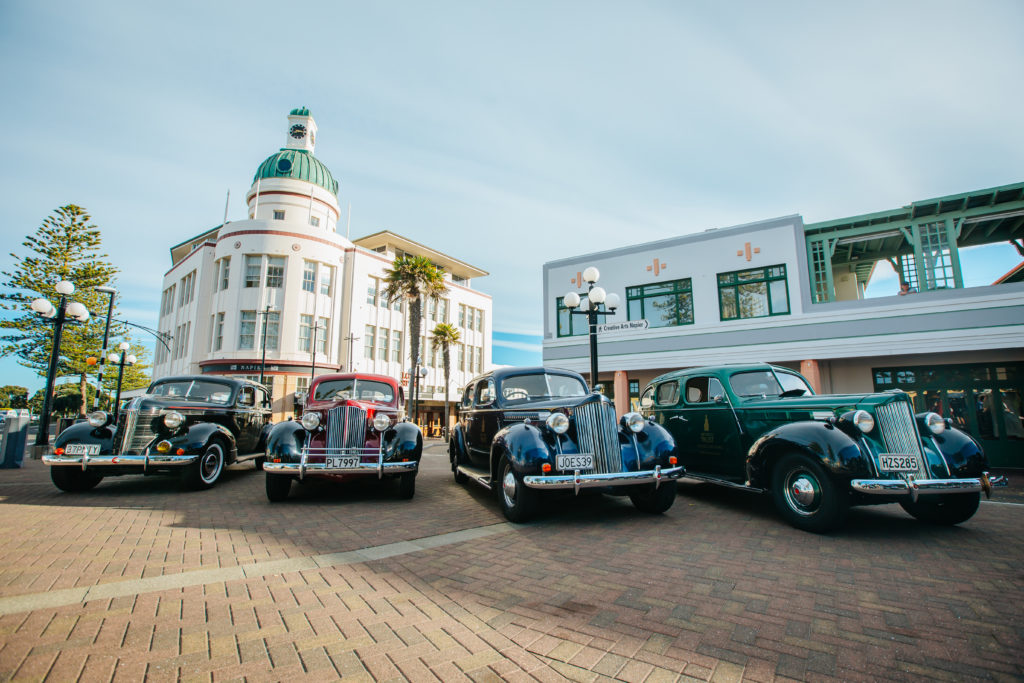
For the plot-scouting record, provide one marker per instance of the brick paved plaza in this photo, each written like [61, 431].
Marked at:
[137, 579]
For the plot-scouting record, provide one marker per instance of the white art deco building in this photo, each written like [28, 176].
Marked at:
[284, 285]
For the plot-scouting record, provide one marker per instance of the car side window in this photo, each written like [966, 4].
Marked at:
[467, 396]
[264, 398]
[703, 390]
[246, 396]
[485, 393]
[667, 393]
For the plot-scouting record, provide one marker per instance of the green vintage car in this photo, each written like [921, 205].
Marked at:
[761, 428]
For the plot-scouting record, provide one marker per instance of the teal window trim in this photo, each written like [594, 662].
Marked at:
[642, 296]
[731, 282]
[567, 324]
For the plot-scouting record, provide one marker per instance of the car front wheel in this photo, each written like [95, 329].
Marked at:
[278, 486]
[947, 510]
[406, 485]
[806, 496]
[205, 472]
[518, 501]
[655, 500]
[73, 479]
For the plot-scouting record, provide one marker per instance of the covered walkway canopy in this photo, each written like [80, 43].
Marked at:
[921, 241]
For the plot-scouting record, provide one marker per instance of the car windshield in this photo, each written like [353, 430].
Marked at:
[764, 383]
[540, 386]
[193, 390]
[361, 389]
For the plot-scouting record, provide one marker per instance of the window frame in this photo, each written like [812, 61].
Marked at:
[680, 287]
[767, 279]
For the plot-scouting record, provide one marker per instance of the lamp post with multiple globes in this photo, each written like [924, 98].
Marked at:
[122, 360]
[599, 304]
[57, 316]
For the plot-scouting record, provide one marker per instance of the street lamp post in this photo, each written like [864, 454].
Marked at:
[106, 337]
[58, 316]
[263, 361]
[418, 373]
[121, 360]
[596, 298]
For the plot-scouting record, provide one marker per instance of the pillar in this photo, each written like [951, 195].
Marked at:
[621, 384]
[809, 369]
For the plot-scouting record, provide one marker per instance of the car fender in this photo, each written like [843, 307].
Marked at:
[834, 450]
[457, 445]
[83, 432]
[403, 441]
[264, 435]
[285, 441]
[525, 447]
[199, 435]
[963, 455]
[655, 446]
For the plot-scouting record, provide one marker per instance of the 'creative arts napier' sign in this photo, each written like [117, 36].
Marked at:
[629, 325]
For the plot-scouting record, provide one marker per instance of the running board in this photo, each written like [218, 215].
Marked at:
[723, 482]
[481, 477]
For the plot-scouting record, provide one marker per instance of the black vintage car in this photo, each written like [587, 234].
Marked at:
[525, 430]
[191, 425]
[351, 429]
[761, 428]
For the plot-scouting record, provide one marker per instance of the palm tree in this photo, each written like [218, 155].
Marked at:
[413, 278]
[444, 336]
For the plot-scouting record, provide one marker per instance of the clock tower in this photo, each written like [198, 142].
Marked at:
[301, 130]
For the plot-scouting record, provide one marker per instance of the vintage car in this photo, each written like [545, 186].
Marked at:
[526, 430]
[192, 425]
[761, 428]
[351, 427]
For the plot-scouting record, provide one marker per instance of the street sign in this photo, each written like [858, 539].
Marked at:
[628, 326]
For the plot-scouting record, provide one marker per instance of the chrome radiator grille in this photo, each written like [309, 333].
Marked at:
[597, 433]
[346, 427]
[134, 432]
[899, 433]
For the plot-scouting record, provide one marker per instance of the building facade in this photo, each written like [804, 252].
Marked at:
[791, 293]
[284, 295]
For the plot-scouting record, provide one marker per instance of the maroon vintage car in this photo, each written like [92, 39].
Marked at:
[352, 427]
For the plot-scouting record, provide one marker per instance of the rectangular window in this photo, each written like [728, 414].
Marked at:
[462, 315]
[460, 364]
[396, 346]
[247, 330]
[188, 333]
[305, 332]
[754, 293]
[442, 310]
[397, 304]
[278, 215]
[321, 335]
[314, 221]
[570, 325]
[479, 320]
[662, 304]
[225, 266]
[432, 307]
[479, 359]
[382, 345]
[429, 354]
[252, 270]
[273, 330]
[218, 333]
[371, 291]
[369, 341]
[309, 277]
[326, 275]
[275, 271]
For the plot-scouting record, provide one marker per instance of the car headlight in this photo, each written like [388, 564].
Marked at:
[935, 423]
[864, 421]
[310, 421]
[558, 423]
[173, 419]
[635, 422]
[97, 419]
[380, 422]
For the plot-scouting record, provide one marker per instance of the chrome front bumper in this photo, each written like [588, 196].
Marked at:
[143, 461]
[577, 481]
[920, 487]
[304, 467]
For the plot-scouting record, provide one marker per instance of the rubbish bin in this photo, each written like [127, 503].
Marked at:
[13, 436]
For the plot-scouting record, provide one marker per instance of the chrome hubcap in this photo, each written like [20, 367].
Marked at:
[211, 463]
[803, 493]
[508, 487]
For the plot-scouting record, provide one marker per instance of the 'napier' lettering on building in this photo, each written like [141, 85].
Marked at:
[622, 327]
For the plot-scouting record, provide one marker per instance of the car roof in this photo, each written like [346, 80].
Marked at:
[501, 373]
[717, 369]
[233, 381]
[387, 379]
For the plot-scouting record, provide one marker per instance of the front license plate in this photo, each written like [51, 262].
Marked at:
[82, 449]
[343, 461]
[574, 462]
[890, 462]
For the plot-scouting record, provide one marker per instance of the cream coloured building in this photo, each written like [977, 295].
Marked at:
[285, 286]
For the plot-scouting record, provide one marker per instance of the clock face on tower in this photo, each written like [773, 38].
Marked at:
[298, 131]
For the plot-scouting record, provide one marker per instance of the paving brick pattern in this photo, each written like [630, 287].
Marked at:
[717, 589]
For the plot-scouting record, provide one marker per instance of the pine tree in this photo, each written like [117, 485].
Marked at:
[65, 247]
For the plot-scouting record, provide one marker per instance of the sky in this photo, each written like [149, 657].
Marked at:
[505, 134]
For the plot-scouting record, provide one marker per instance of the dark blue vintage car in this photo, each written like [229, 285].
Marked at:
[526, 430]
[352, 428]
[190, 425]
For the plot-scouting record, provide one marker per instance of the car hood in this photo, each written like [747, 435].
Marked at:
[831, 402]
[551, 404]
[150, 403]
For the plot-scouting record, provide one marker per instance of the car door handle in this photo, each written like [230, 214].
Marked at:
[678, 417]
